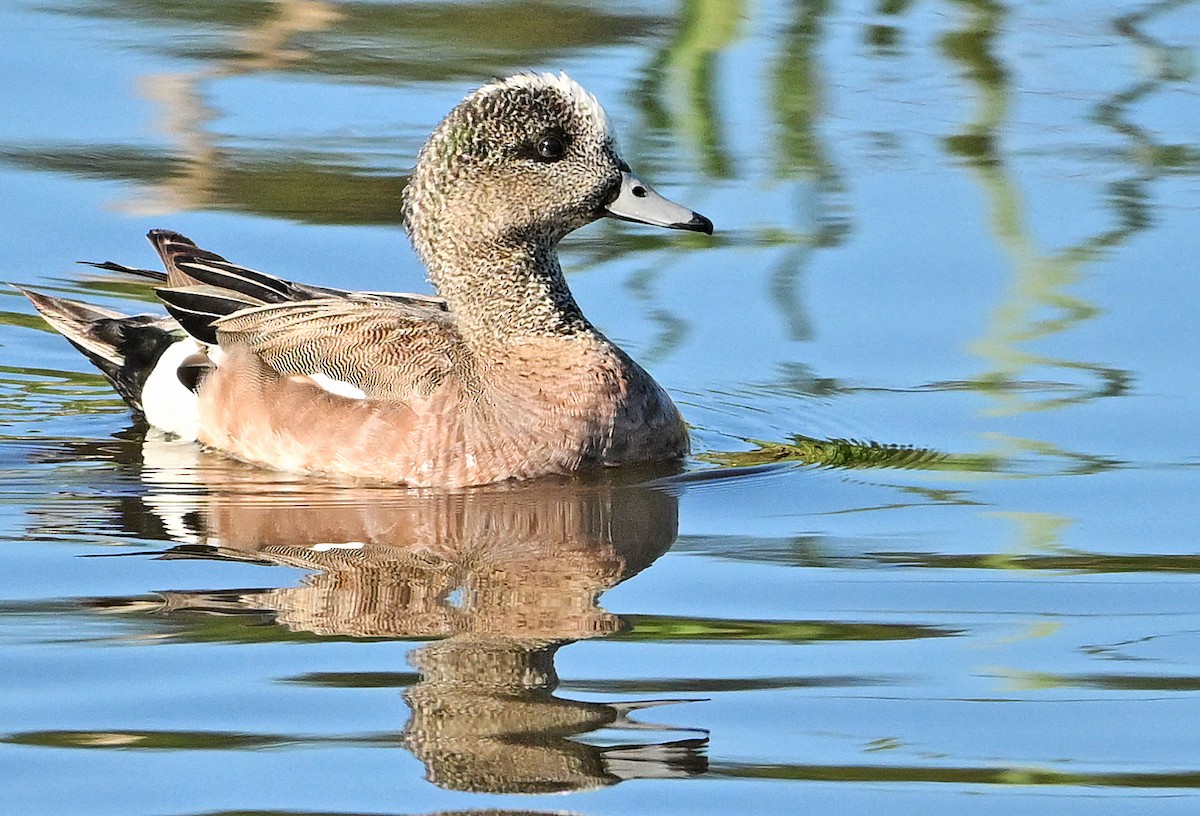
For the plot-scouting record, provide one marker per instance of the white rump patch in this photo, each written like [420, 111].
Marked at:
[168, 404]
[339, 387]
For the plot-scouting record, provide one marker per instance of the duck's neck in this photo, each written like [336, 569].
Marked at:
[499, 291]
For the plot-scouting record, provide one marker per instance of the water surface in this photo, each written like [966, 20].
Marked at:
[935, 549]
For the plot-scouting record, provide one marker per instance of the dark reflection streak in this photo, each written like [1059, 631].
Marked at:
[817, 552]
[956, 776]
[271, 181]
[378, 679]
[884, 40]
[141, 740]
[1157, 159]
[723, 684]
[1081, 562]
[886, 508]
[377, 43]
[384, 43]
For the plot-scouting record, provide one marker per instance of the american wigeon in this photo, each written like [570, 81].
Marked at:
[502, 377]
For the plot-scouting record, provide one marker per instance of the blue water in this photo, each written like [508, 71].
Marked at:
[935, 549]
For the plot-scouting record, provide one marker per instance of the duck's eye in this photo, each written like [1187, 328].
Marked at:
[550, 148]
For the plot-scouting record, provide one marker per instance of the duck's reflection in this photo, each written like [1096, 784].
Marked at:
[497, 579]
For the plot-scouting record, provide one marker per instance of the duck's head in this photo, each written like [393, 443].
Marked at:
[528, 157]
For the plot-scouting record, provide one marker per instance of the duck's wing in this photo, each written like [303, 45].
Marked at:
[125, 349]
[386, 349]
[386, 345]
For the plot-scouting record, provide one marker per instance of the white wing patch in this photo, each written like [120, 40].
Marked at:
[340, 545]
[339, 387]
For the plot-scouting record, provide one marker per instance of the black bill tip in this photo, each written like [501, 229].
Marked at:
[698, 224]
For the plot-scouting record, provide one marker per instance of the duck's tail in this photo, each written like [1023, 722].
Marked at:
[141, 355]
[156, 363]
[151, 360]
[124, 348]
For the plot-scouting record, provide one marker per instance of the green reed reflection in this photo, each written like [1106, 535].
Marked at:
[1034, 681]
[802, 160]
[201, 171]
[679, 92]
[31, 395]
[1041, 283]
[661, 628]
[884, 39]
[845, 453]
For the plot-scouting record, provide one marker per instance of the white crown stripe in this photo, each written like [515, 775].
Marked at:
[584, 101]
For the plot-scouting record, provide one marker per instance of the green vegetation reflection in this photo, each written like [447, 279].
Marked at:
[850, 454]
[672, 628]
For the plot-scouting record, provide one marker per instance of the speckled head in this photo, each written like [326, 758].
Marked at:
[527, 158]
[531, 152]
[513, 168]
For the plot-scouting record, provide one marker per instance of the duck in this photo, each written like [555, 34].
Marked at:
[498, 377]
